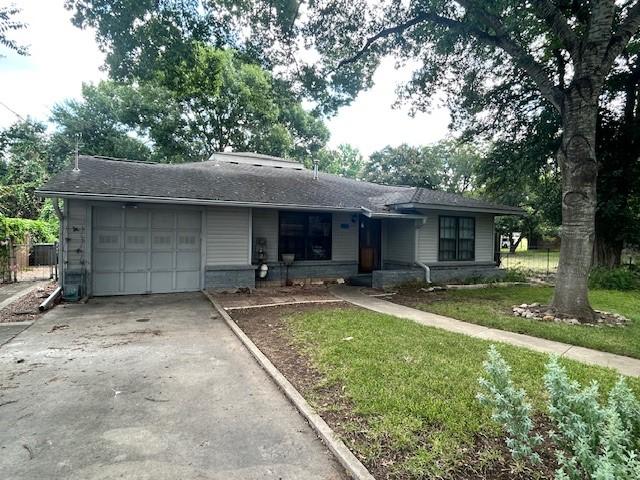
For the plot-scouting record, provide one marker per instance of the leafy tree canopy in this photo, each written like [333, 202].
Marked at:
[23, 160]
[346, 161]
[225, 102]
[447, 165]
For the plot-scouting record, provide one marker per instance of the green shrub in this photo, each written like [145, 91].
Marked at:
[510, 408]
[621, 278]
[18, 228]
[516, 275]
[591, 440]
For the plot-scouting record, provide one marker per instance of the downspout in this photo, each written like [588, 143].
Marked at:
[427, 270]
[61, 242]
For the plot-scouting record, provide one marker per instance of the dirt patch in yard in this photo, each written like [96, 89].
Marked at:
[486, 459]
[25, 309]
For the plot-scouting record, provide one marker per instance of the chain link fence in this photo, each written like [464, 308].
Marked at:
[28, 262]
[540, 262]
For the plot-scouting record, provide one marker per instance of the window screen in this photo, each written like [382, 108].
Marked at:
[306, 235]
[457, 239]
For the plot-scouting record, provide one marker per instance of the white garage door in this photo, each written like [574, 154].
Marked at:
[145, 250]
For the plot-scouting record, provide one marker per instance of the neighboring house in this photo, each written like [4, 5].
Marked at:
[133, 227]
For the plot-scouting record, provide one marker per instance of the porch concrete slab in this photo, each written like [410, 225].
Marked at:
[146, 387]
[624, 365]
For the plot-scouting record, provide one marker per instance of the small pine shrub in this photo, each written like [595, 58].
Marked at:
[621, 278]
[593, 440]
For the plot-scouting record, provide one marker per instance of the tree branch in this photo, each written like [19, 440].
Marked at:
[558, 24]
[623, 34]
[523, 59]
[501, 40]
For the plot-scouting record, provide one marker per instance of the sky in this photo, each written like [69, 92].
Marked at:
[62, 57]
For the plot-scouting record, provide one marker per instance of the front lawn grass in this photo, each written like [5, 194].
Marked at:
[414, 387]
[492, 307]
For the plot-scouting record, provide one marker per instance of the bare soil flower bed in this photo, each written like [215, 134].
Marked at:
[546, 313]
[25, 309]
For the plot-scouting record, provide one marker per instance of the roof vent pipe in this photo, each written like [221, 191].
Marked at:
[76, 168]
[315, 169]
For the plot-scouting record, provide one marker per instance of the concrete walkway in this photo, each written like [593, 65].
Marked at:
[624, 365]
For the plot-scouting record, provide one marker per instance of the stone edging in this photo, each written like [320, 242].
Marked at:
[347, 459]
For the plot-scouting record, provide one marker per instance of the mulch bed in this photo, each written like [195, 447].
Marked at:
[25, 309]
[487, 459]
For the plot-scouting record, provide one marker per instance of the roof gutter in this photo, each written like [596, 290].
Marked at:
[188, 201]
[429, 206]
[371, 214]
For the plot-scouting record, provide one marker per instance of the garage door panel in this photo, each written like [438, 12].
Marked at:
[146, 250]
[187, 281]
[188, 261]
[107, 240]
[136, 240]
[161, 282]
[189, 241]
[106, 283]
[106, 261]
[162, 240]
[189, 220]
[135, 282]
[137, 218]
[161, 219]
[107, 217]
[135, 262]
[162, 261]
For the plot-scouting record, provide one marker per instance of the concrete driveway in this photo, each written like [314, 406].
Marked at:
[146, 387]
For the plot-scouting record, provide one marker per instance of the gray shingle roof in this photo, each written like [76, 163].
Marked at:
[221, 180]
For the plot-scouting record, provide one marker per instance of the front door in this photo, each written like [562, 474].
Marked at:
[370, 244]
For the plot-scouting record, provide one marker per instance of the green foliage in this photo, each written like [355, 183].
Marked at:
[509, 407]
[346, 161]
[8, 23]
[596, 441]
[18, 228]
[25, 162]
[516, 275]
[221, 101]
[447, 165]
[592, 441]
[621, 278]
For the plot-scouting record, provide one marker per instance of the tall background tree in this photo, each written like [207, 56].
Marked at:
[446, 165]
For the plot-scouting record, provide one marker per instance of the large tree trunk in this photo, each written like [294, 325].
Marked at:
[577, 160]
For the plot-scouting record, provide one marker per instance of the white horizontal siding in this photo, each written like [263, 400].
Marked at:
[265, 225]
[344, 244]
[428, 236]
[484, 238]
[76, 235]
[399, 238]
[228, 233]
